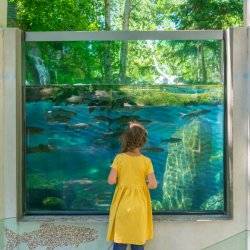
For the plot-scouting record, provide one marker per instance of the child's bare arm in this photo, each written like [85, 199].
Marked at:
[112, 176]
[151, 181]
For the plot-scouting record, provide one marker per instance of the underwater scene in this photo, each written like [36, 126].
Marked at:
[80, 97]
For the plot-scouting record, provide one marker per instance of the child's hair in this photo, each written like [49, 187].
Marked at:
[133, 137]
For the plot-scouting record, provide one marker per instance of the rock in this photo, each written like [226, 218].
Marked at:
[102, 94]
[75, 99]
[140, 104]
[46, 92]
[126, 104]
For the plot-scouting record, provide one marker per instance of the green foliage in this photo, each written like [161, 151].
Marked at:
[204, 14]
[48, 15]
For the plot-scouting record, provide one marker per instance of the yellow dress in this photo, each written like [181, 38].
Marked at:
[130, 215]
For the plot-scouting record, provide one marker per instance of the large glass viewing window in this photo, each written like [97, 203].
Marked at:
[82, 89]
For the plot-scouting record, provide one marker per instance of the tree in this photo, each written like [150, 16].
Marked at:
[107, 56]
[124, 45]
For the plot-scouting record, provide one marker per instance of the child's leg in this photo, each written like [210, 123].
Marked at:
[119, 246]
[137, 247]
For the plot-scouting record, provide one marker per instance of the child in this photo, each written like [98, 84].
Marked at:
[130, 217]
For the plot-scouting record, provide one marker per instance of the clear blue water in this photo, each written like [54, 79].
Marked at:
[73, 164]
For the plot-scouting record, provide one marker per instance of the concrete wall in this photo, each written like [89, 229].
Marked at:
[11, 122]
[173, 233]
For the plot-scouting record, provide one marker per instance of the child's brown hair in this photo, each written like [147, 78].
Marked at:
[133, 137]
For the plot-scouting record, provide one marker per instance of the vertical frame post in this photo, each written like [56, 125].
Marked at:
[11, 122]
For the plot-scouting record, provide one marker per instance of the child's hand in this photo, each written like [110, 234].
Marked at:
[151, 181]
[112, 176]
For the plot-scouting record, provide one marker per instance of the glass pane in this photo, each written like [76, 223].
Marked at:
[81, 95]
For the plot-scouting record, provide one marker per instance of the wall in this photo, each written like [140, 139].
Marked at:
[173, 233]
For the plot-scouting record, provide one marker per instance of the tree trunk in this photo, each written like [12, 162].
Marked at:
[107, 56]
[197, 64]
[203, 66]
[124, 45]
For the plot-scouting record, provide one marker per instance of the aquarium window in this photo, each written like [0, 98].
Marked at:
[79, 97]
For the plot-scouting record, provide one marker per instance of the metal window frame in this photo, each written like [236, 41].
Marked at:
[63, 36]
[180, 35]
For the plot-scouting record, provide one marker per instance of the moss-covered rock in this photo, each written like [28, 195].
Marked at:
[119, 95]
[160, 96]
[53, 203]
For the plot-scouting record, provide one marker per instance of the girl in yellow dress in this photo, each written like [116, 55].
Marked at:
[130, 215]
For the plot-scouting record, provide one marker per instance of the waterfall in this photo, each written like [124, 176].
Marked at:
[162, 70]
[43, 73]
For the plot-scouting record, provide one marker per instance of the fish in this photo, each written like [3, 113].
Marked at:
[51, 236]
[84, 181]
[172, 140]
[99, 141]
[60, 115]
[195, 113]
[102, 204]
[112, 135]
[34, 130]
[124, 119]
[41, 148]
[153, 149]
[103, 118]
[91, 108]
[144, 121]
[80, 125]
